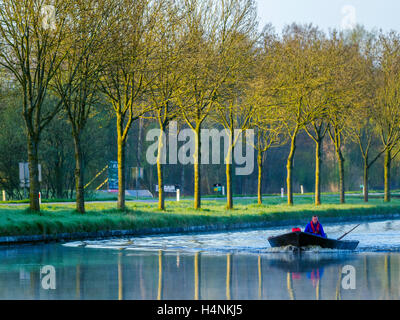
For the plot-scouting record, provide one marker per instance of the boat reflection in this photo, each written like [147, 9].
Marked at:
[310, 267]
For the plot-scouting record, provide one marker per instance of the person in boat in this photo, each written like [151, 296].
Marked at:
[315, 227]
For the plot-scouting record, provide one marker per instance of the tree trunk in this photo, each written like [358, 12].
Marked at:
[341, 176]
[336, 138]
[34, 204]
[318, 173]
[79, 188]
[139, 152]
[121, 164]
[289, 168]
[197, 176]
[366, 169]
[388, 161]
[260, 172]
[161, 200]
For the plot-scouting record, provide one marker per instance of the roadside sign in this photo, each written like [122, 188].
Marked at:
[113, 176]
[24, 174]
[217, 187]
[169, 188]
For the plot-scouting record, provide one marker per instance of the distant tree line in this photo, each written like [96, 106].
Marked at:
[82, 81]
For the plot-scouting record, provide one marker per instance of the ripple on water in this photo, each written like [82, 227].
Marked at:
[373, 237]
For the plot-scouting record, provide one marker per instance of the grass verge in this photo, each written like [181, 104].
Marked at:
[62, 218]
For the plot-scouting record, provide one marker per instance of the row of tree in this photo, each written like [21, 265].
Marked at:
[199, 62]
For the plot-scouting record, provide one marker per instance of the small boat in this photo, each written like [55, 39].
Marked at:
[302, 239]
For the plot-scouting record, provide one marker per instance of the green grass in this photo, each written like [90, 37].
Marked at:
[60, 218]
[102, 197]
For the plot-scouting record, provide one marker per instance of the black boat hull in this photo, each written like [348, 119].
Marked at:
[302, 239]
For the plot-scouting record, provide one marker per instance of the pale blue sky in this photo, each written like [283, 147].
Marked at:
[380, 14]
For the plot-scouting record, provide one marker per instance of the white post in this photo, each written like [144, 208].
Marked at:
[40, 198]
[223, 190]
[4, 195]
[282, 192]
[302, 189]
[178, 195]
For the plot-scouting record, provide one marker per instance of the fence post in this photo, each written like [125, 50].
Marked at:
[4, 195]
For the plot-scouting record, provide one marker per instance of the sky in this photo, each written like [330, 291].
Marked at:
[328, 14]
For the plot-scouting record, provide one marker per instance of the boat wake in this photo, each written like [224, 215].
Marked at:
[373, 237]
[130, 245]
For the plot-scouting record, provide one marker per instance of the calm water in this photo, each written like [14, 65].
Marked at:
[235, 265]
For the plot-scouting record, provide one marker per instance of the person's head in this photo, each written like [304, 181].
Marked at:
[314, 219]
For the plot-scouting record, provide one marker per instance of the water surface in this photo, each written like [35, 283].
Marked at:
[232, 265]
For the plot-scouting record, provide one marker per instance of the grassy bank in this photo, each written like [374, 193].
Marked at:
[62, 218]
[104, 196]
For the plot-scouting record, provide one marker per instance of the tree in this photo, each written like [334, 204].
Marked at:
[387, 116]
[298, 78]
[237, 34]
[346, 78]
[164, 81]
[317, 127]
[363, 132]
[269, 127]
[123, 77]
[318, 102]
[76, 79]
[269, 134]
[317, 130]
[200, 74]
[31, 49]
[361, 127]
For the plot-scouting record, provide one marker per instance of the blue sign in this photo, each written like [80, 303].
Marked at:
[113, 176]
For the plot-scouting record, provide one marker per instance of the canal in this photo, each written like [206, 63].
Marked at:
[229, 265]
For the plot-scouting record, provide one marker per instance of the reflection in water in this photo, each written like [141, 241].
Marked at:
[160, 268]
[289, 286]
[78, 281]
[115, 274]
[228, 276]
[259, 278]
[120, 280]
[338, 295]
[196, 276]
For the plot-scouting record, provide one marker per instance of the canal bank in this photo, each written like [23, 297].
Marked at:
[58, 223]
